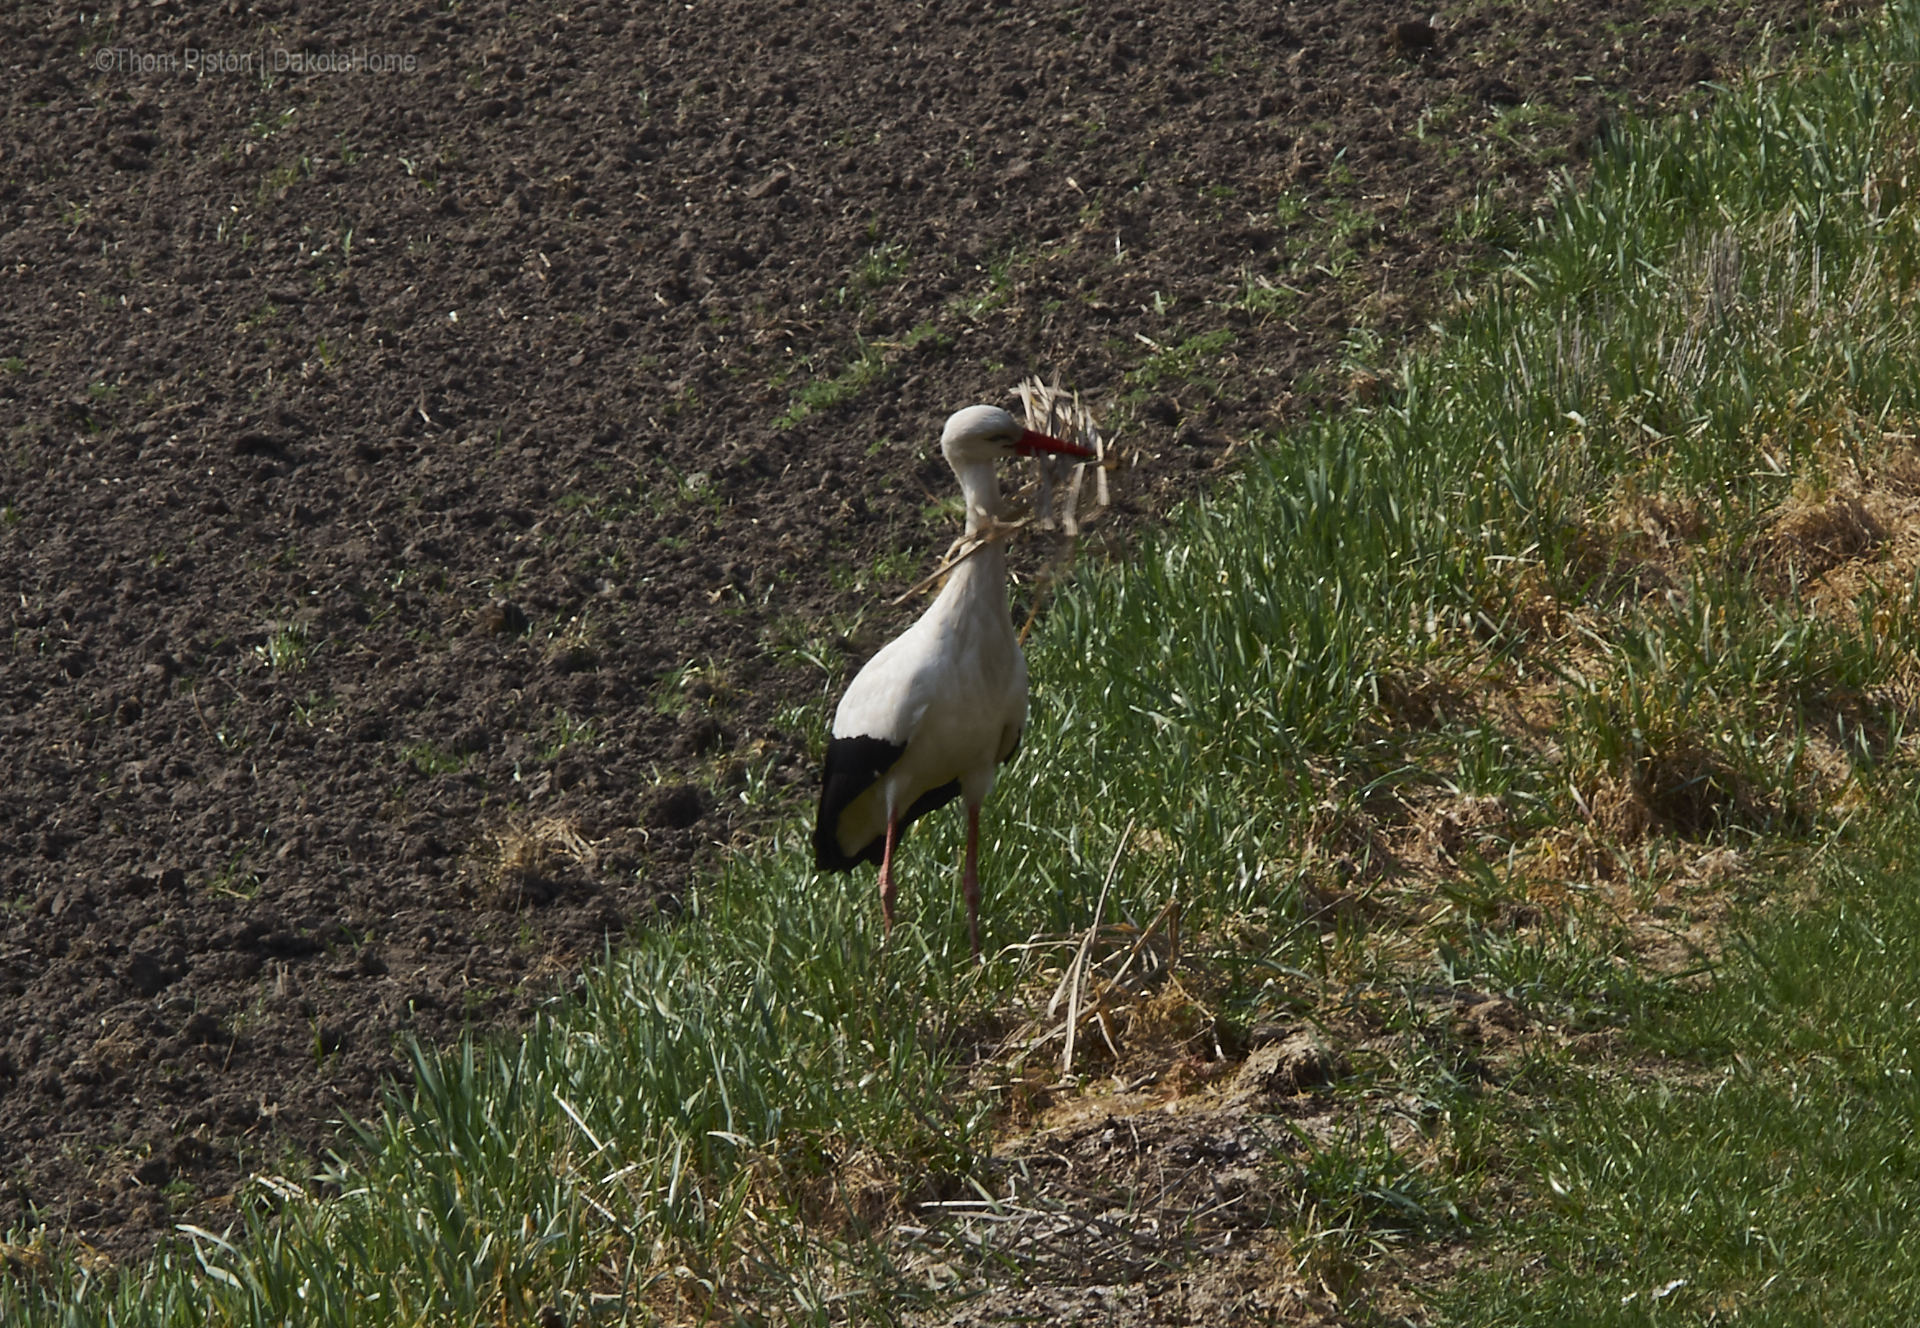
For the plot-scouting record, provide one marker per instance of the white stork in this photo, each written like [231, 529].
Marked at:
[930, 717]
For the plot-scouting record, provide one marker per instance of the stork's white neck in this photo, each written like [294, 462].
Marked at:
[981, 487]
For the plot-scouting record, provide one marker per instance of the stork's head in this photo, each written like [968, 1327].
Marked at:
[987, 433]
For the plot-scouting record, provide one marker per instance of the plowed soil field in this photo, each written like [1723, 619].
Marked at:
[451, 451]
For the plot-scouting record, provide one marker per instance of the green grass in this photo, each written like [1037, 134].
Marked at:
[886, 569]
[431, 759]
[1777, 1179]
[1263, 299]
[1189, 361]
[863, 371]
[286, 649]
[883, 265]
[1247, 714]
[566, 731]
[752, 1044]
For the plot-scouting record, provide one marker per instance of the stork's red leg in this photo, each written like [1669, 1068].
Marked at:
[970, 880]
[886, 872]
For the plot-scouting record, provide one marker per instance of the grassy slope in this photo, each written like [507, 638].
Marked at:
[1778, 1179]
[1762, 1166]
[1566, 570]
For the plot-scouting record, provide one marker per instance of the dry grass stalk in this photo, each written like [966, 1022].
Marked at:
[1077, 971]
[1106, 982]
[960, 550]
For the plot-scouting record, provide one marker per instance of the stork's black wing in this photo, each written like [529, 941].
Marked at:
[853, 766]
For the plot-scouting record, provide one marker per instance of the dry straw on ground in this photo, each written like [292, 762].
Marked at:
[530, 855]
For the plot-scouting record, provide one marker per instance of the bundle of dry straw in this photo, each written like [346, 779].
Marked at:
[1050, 410]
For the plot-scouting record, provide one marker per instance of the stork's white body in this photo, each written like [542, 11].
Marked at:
[932, 715]
[951, 690]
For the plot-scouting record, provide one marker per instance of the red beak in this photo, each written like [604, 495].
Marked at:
[1031, 442]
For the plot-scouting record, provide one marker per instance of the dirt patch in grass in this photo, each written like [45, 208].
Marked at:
[1195, 1171]
[526, 432]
